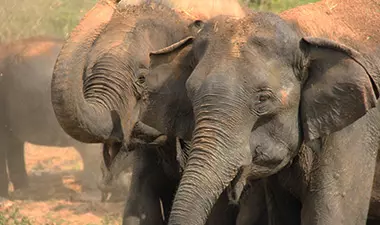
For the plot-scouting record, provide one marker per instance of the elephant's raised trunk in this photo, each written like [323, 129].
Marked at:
[214, 161]
[85, 121]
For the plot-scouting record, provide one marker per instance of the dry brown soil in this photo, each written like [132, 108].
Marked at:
[56, 195]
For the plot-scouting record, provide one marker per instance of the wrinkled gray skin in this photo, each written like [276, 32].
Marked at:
[100, 88]
[26, 114]
[271, 91]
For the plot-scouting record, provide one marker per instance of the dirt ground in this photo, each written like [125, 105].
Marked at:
[56, 195]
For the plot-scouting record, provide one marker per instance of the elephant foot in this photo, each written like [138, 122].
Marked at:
[4, 186]
[131, 221]
[20, 183]
[4, 192]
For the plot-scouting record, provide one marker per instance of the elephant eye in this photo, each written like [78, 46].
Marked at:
[142, 73]
[264, 96]
[263, 104]
[141, 79]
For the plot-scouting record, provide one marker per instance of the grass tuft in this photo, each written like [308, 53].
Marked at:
[12, 216]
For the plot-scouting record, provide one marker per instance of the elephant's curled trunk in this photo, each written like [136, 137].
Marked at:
[85, 121]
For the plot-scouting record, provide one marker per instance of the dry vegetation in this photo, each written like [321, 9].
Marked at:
[55, 196]
[25, 18]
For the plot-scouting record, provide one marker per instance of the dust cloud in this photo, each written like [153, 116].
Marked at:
[200, 8]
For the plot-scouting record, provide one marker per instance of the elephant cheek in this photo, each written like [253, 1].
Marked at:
[270, 154]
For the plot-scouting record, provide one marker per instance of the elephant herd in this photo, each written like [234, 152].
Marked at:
[249, 118]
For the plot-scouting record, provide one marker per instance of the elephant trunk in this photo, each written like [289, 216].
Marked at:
[86, 121]
[214, 161]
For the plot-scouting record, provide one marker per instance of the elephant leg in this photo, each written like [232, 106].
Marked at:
[16, 163]
[143, 202]
[372, 222]
[167, 197]
[253, 205]
[282, 207]
[3, 172]
[223, 213]
[342, 176]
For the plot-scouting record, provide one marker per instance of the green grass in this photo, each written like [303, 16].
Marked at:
[276, 5]
[12, 216]
[25, 18]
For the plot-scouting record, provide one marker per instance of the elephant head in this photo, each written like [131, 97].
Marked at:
[99, 81]
[259, 89]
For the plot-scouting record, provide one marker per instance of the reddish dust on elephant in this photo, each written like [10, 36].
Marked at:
[338, 21]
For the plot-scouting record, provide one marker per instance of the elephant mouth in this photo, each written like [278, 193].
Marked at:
[116, 158]
[110, 151]
[115, 155]
[114, 163]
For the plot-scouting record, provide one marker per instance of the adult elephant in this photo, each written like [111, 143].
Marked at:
[101, 92]
[26, 113]
[274, 89]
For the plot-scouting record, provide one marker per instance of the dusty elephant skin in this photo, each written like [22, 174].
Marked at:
[100, 91]
[26, 114]
[98, 86]
[273, 89]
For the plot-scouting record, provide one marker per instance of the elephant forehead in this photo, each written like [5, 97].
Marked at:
[261, 30]
[233, 33]
[237, 40]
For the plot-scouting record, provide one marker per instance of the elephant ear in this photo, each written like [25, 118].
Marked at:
[339, 88]
[168, 63]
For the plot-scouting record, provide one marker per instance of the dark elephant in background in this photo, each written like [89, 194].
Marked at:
[26, 113]
[272, 92]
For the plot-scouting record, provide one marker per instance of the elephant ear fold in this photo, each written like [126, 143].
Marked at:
[339, 87]
[168, 63]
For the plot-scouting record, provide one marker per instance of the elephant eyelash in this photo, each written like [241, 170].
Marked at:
[263, 98]
[263, 95]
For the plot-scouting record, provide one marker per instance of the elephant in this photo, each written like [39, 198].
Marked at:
[98, 93]
[282, 84]
[26, 113]
[102, 92]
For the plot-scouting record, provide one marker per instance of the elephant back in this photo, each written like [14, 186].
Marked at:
[27, 72]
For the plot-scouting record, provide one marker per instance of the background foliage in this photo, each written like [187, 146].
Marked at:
[25, 18]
